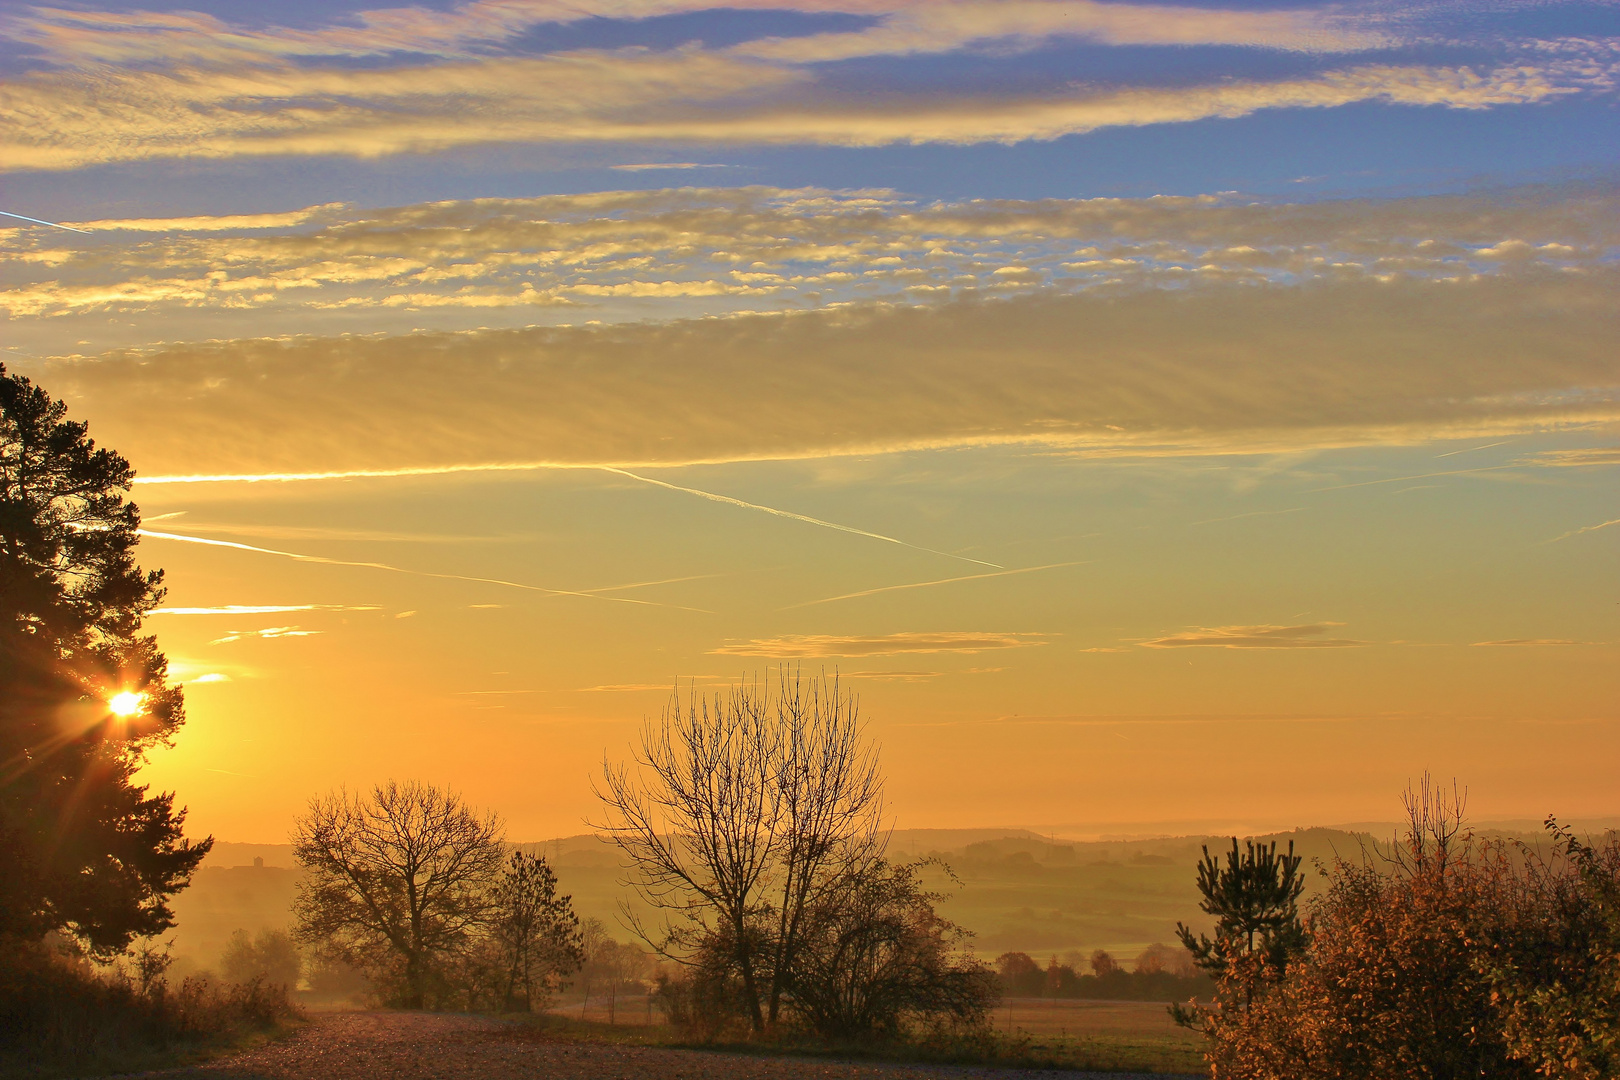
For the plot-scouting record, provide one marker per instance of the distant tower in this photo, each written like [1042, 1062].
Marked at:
[258, 860]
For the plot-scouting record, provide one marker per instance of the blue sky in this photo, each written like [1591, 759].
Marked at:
[1556, 118]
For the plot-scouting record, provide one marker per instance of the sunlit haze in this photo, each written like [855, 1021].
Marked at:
[1165, 417]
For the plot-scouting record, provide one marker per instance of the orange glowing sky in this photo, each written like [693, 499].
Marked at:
[1164, 416]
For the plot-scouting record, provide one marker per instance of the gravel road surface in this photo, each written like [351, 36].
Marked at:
[428, 1046]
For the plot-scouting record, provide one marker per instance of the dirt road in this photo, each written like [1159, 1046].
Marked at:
[426, 1046]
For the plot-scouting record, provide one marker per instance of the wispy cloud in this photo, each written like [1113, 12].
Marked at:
[944, 26]
[1265, 636]
[1403, 335]
[259, 609]
[1583, 530]
[56, 119]
[469, 30]
[892, 676]
[1250, 514]
[625, 688]
[1575, 459]
[767, 248]
[1534, 642]
[206, 224]
[267, 634]
[937, 581]
[812, 645]
[659, 165]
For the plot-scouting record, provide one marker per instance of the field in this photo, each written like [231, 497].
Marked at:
[1104, 1035]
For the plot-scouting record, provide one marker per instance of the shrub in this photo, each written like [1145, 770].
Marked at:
[877, 958]
[271, 957]
[1451, 957]
[56, 1006]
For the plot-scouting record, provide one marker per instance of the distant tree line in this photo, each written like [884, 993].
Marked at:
[1445, 956]
[1160, 973]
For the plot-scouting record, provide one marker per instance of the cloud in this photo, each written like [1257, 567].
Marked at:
[211, 677]
[937, 581]
[259, 609]
[1267, 636]
[1143, 371]
[624, 688]
[1535, 642]
[628, 254]
[891, 676]
[655, 166]
[944, 26]
[59, 119]
[1580, 458]
[269, 633]
[813, 645]
[1586, 529]
[226, 223]
[471, 29]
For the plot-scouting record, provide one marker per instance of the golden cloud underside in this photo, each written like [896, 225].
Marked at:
[1238, 368]
[904, 26]
[768, 247]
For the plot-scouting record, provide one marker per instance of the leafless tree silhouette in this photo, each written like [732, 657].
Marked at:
[741, 812]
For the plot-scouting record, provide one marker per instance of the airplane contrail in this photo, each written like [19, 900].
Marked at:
[533, 466]
[1419, 476]
[594, 594]
[789, 514]
[941, 581]
[40, 221]
[1584, 529]
[354, 474]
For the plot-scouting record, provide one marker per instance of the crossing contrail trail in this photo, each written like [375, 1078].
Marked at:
[711, 496]
[594, 594]
[451, 470]
[39, 221]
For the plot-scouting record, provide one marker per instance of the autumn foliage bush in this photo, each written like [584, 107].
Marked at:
[1448, 957]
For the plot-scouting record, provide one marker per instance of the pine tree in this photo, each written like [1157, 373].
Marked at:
[83, 694]
[1255, 901]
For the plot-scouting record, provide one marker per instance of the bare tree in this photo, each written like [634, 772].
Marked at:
[697, 822]
[742, 811]
[395, 880]
[830, 809]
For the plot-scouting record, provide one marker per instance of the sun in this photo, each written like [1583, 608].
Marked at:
[126, 704]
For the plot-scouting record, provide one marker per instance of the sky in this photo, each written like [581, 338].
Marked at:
[1164, 416]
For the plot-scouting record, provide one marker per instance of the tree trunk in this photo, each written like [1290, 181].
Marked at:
[415, 997]
[756, 1016]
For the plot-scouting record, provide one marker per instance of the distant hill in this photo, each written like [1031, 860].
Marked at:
[1019, 890]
